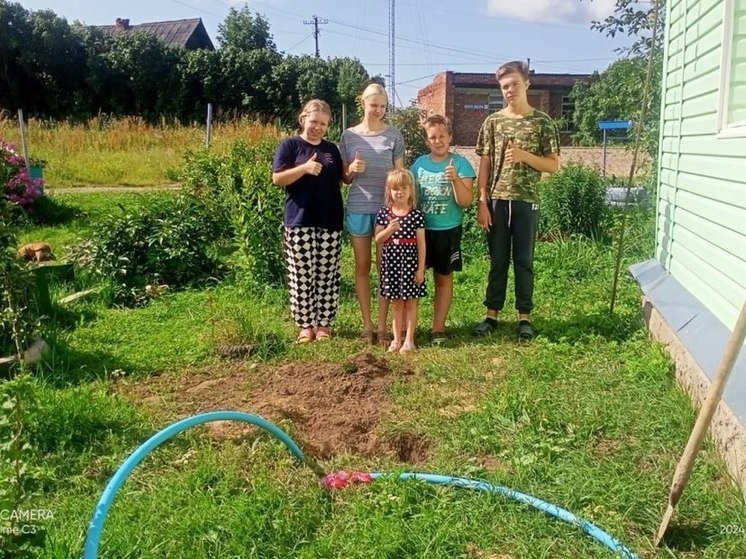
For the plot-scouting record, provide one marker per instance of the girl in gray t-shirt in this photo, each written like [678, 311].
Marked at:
[369, 151]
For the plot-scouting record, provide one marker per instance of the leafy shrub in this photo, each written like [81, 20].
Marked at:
[238, 185]
[17, 316]
[574, 202]
[408, 121]
[17, 185]
[171, 242]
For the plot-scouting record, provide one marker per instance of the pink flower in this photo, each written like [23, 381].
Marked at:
[341, 479]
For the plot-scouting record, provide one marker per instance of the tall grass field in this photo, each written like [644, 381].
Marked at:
[122, 152]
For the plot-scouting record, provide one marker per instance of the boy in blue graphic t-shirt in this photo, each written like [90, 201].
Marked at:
[444, 187]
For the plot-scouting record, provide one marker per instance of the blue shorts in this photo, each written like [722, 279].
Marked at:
[361, 225]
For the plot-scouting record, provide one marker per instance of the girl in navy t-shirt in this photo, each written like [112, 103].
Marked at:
[310, 169]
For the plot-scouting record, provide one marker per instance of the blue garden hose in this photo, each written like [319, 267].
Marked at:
[102, 509]
[591, 529]
[104, 504]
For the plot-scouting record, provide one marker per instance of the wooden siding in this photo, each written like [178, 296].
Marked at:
[701, 209]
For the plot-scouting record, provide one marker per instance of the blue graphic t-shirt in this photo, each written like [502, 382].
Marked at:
[435, 192]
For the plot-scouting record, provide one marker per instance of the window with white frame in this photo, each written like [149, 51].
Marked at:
[495, 101]
[732, 102]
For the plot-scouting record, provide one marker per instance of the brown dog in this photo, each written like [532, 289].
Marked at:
[36, 252]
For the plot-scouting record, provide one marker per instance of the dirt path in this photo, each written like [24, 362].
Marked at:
[94, 188]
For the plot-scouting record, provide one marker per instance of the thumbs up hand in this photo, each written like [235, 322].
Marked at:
[312, 166]
[450, 171]
[513, 154]
[358, 165]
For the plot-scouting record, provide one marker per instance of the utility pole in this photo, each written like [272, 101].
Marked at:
[392, 52]
[316, 22]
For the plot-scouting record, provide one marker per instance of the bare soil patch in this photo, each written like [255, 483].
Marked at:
[334, 408]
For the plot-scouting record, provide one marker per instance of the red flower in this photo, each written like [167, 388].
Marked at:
[341, 479]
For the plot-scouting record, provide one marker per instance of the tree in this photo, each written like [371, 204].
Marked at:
[58, 60]
[142, 75]
[351, 78]
[615, 94]
[243, 31]
[15, 77]
[619, 92]
[635, 18]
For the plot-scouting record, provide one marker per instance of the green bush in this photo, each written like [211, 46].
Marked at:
[18, 319]
[573, 202]
[172, 242]
[239, 186]
[408, 122]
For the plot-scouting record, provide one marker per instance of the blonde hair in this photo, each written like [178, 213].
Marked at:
[400, 177]
[437, 120]
[314, 105]
[373, 89]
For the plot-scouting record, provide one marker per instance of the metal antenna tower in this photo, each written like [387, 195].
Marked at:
[392, 52]
[316, 22]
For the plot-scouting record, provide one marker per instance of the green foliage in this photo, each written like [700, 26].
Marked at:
[244, 31]
[617, 94]
[18, 470]
[168, 243]
[239, 186]
[409, 122]
[53, 69]
[574, 202]
[635, 19]
[17, 318]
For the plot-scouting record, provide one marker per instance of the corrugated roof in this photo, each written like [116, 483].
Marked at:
[170, 33]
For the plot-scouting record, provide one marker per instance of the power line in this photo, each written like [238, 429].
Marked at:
[303, 40]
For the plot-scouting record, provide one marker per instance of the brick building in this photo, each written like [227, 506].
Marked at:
[467, 99]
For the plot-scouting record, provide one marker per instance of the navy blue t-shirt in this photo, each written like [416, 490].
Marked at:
[312, 201]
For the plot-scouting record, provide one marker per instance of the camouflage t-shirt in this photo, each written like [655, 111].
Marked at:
[536, 133]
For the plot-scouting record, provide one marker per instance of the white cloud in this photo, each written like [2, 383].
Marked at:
[552, 11]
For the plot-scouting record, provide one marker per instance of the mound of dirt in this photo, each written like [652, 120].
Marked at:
[335, 408]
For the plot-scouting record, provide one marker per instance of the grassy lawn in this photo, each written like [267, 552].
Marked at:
[588, 416]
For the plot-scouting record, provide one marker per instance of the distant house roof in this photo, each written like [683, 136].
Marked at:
[187, 33]
[465, 79]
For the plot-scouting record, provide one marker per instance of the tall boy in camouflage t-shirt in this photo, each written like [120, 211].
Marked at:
[516, 145]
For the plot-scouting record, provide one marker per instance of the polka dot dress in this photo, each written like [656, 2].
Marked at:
[399, 260]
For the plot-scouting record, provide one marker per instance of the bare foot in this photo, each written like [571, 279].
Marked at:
[394, 347]
[406, 347]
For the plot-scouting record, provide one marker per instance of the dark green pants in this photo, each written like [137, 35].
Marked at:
[513, 232]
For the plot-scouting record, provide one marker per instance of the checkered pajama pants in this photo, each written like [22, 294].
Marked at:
[313, 256]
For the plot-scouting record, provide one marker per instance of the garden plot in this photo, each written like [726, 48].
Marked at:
[332, 408]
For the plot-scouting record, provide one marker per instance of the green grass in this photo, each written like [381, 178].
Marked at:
[587, 416]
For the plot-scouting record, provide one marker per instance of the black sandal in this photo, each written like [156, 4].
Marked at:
[525, 331]
[487, 326]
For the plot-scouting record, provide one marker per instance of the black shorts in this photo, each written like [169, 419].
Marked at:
[443, 250]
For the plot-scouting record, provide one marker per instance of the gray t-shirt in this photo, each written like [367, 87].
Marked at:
[379, 151]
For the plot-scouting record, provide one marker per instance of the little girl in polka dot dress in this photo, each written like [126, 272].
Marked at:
[400, 231]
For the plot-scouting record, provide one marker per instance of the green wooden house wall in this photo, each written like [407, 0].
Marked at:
[701, 207]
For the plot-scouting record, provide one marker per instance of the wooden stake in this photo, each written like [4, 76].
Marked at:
[24, 139]
[686, 464]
